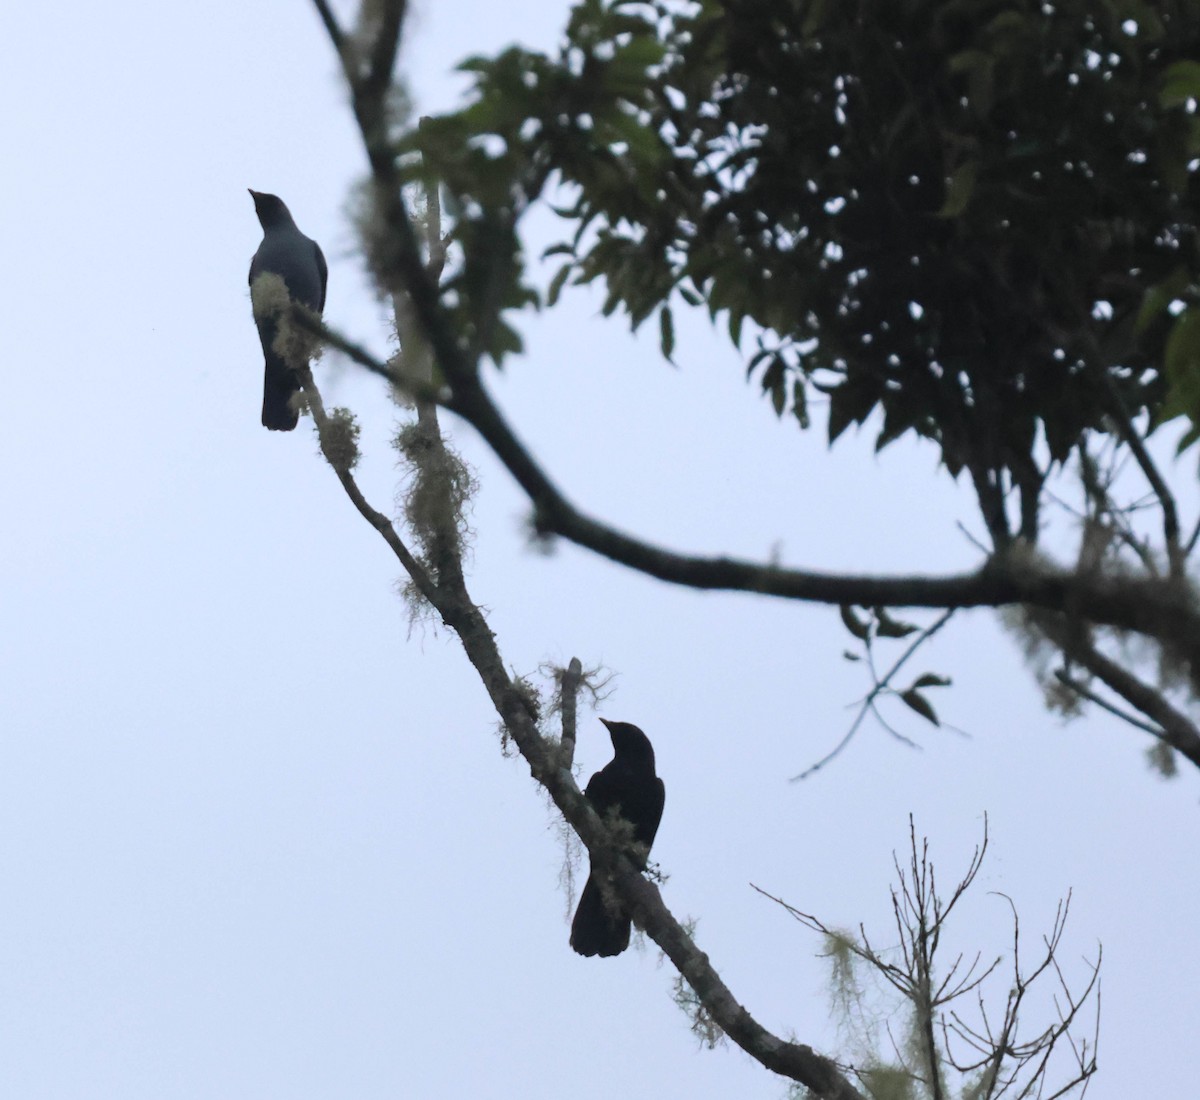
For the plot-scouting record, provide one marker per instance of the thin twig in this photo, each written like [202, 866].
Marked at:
[1191, 542]
[1084, 692]
[384, 46]
[332, 28]
[420, 390]
[880, 686]
[376, 519]
[1174, 727]
[1002, 1060]
[1170, 517]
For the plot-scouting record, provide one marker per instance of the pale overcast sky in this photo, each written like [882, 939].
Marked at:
[257, 836]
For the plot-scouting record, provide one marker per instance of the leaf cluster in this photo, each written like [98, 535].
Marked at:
[975, 217]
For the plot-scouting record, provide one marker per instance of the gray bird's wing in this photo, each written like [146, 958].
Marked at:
[323, 272]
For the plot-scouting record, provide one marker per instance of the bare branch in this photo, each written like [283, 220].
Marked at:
[384, 46]
[1084, 692]
[1148, 606]
[1000, 1062]
[418, 389]
[1133, 439]
[336, 36]
[1174, 727]
[1103, 510]
[1191, 542]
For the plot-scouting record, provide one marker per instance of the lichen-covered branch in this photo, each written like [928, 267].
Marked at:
[449, 596]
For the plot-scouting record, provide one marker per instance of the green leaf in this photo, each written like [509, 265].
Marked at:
[1181, 82]
[815, 17]
[916, 701]
[800, 403]
[850, 402]
[1158, 297]
[930, 680]
[774, 383]
[1182, 362]
[959, 190]
[892, 628]
[756, 359]
[1182, 355]
[1189, 438]
[736, 317]
[666, 333]
[476, 63]
[504, 341]
[784, 161]
[557, 283]
[858, 627]
[897, 419]
[643, 52]
[979, 69]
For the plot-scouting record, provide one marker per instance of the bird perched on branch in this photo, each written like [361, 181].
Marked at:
[629, 785]
[298, 261]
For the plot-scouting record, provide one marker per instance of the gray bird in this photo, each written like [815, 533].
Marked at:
[298, 261]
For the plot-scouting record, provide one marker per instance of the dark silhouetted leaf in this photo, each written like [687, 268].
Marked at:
[891, 628]
[666, 332]
[858, 627]
[920, 704]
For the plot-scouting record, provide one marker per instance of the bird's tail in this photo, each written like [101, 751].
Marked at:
[596, 930]
[279, 384]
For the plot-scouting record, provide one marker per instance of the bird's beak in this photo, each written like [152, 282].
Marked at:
[607, 725]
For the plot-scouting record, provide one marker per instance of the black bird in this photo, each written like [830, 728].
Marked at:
[629, 783]
[298, 261]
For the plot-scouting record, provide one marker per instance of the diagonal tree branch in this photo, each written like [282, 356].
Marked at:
[410, 283]
[1173, 727]
[451, 599]
[1133, 439]
[384, 46]
[387, 530]
[1084, 692]
[332, 27]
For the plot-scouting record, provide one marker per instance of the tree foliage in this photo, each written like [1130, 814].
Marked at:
[977, 217]
[969, 221]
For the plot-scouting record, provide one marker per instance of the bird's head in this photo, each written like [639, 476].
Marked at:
[629, 743]
[270, 209]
